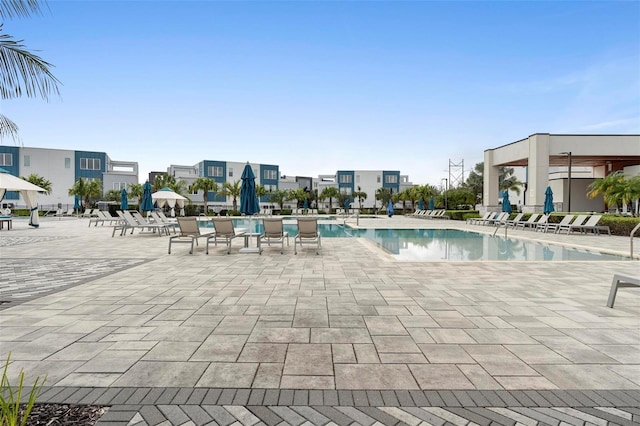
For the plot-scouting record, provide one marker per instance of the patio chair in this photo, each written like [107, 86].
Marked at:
[171, 225]
[473, 220]
[224, 232]
[307, 234]
[541, 224]
[512, 222]
[555, 226]
[189, 233]
[274, 232]
[500, 218]
[592, 225]
[619, 281]
[100, 218]
[149, 225]
[579, 221]
[524, 223]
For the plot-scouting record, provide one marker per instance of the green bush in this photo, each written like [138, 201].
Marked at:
[461, 214]
[620, 225]
[234, 213]
[12, 413]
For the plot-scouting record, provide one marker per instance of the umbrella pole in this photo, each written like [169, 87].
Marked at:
[247, 239]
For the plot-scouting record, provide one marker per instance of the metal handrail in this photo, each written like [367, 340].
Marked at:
[498, 224]
[633, 231]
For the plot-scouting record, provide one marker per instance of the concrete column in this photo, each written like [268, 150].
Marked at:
[490, 186]
[538, 172]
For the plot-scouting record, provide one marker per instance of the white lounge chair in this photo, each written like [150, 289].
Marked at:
[274, 232]
[474, 220]
[621, 281]
[189, 233]
[576, 224]
[512, 222]
[592, 225]
[541, 224]
[524, 223]
[307, 234]
[555, 226]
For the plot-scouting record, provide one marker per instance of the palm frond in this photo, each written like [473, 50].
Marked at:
[19, 8]
[8, 129]
[23, 73]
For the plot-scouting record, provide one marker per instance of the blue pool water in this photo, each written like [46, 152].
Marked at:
[448, 244]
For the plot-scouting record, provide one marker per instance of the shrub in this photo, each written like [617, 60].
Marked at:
[620, 225]
[11, 413]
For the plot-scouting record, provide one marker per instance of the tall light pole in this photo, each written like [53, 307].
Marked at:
[445, 191]
[568, 181]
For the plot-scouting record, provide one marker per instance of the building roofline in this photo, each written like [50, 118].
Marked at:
[562, 134]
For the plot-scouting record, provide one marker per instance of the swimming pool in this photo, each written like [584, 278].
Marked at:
[448, 244]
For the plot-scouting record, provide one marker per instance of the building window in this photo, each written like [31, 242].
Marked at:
[230, 172]
[6, 159]
[27, 161]
[119, 186]
[345, 178]
[391, 179]
[378, 178]
[215, 171]
[89, 164]
[270, 174]
[67, 163]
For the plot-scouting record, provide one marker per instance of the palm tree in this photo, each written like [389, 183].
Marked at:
[79, 189]
[39, 181]
[360, 195]
[232, 190]
[112, 195]
[205, 185]
[167, 181]
[299, 195]
[134, 190]
[94, 190]
[22, 73]
[278, 196]
[507, 181]
[384, 195]
[330, 192]
[616, 190]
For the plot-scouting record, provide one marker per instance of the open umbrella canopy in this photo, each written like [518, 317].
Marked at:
[29, 192]
[548, 201]
[124, 200]
[167, 197]
[249, 203]
[146, 204]
[432, 203]
[506, 204]
[390, 208]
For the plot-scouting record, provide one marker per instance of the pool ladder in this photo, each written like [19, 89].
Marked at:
[631, 235]
[498, 225]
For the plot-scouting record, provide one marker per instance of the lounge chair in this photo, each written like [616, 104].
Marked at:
[307, 234]
[150, 225]
[512, 222]
[131, 223]
[473, 220]
[70, 212]
[592, 225]
[620, 280]
[492, 216]
[98, 219]
[541, 224]
[225, 232]
[500, 218]
[189, 233]
[555, 226]
[576, 224]
[274, 232]
[171, 225]
[524, 223]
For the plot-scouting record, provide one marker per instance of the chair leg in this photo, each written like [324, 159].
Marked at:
[169, 247]
[191, 251]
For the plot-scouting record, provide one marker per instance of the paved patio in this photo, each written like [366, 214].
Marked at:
[115, 315]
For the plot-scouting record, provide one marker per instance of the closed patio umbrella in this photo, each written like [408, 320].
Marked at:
[506, 204]
[146, 204]
[420, 204]
[124, 200]
[249, 203]
[548, 201]
[390, 209]
[432, 203]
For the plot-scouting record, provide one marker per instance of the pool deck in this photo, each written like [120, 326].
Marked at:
[347, 336]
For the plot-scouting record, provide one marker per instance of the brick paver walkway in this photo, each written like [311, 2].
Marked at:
[362, 338]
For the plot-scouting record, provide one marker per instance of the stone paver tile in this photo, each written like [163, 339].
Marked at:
[307, 382]
[244, 416]
[268, 375]
[346, 321]
[228, 375]
[374, 376]
[87, 379]
[289, 416]
[236, 325]
[479, 376]
[500, 336]
[111, 362]
[280, 335]
[536, 354]
[402, 358]
[450, 335]
[220, 414]
[343, 353]
[263, 352]
[420, 321]
[157, 374]
[497, 360]
[604, 336]
[171, 351]
[42, 347]
[524, 382]
[203, 321]
[440, 376]
[54, 370]
[584, 377]
[311, 318]
[309, 360]
[340, 335]
[574, 350]
[366, 354]
[622, 353]
[446, 354]
[220, 348]
[630, 372]
[385, 326]
[395, 344]
[80, 351]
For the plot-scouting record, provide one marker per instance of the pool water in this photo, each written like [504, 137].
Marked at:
[448, 244]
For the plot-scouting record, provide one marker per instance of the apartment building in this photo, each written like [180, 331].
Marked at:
[62, 168]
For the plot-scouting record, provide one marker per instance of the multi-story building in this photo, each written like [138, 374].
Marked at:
[62, 168]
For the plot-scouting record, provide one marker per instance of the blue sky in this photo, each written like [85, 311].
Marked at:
[320, 86]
